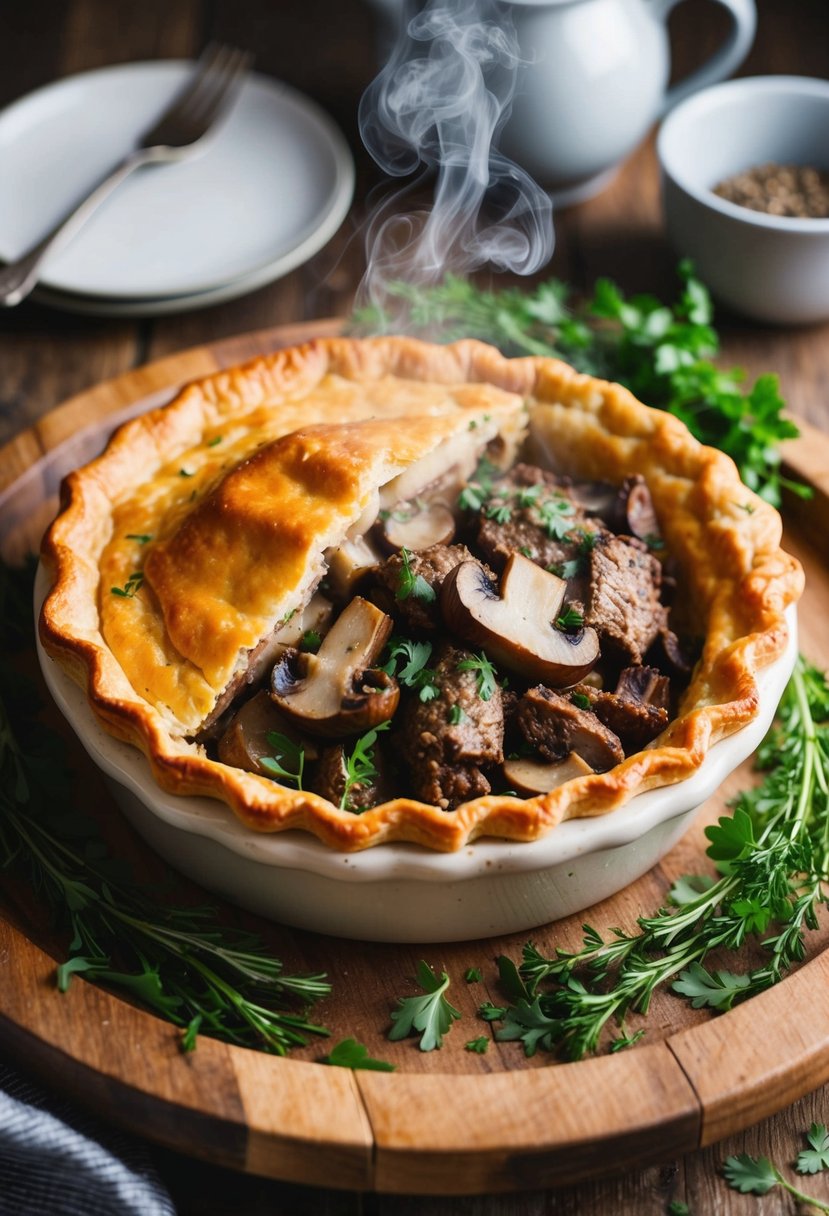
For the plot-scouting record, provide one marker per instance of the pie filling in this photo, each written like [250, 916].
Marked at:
[503, 630]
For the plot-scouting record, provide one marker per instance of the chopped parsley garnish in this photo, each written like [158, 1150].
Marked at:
[212, 443]
[143, 538]
[485, 672]
[570, 621]
[580, 700]
[526, 551]
[472, 975]
[654, 541]
[500, 512]
[411, 584]
[479, 1045]
[527, 495]
[555, 517]
[457, 715]
[491, 1013]
[568, 569]
[133, 584]
[310, 641]
[431, 1016]
[479, 488]
[414, 674]
[286, 753]
[360, 766]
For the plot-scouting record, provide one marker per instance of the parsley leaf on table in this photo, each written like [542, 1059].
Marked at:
[430, 1015]
[750, 1175]
[348, 1053]
[815, 1158]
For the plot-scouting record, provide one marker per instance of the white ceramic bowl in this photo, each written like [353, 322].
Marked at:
[402, 892]
[772, 268]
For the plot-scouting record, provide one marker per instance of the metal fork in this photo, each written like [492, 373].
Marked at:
[179, 134]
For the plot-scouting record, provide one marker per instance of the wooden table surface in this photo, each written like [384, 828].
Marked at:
[326, 49]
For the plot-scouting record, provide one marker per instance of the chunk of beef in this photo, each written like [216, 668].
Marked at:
[533, 512]
[623, 601]
[646, 686]
[554, 726]
[637, 711]
[417, 611]
[444, 756]
[329, 778]
[675, 656]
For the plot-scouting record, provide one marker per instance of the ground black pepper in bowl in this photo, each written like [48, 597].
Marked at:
[798, 191]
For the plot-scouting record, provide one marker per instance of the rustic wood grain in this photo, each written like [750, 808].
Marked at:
[46, 357]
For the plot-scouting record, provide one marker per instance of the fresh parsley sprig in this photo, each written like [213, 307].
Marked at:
[431, 1016]
[757, 1175]
[286, 752]
[663, 353]
[411, 584]
[361, 764]
[413, 673]
[773, 855]
[485, 673]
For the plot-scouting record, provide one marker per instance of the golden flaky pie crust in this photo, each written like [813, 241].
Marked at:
[725, 539]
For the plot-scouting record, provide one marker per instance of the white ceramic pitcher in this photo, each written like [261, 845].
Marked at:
[594, 80]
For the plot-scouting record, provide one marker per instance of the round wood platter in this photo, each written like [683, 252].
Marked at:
[446, 1122]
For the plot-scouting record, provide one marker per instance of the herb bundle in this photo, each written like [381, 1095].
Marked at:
[773, 857]
[662, 353]
[180, 962]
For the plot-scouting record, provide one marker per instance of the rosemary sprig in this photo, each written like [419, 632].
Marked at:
[773, 855]
[181, 962]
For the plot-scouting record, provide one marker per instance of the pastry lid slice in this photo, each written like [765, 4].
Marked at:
[196, 584]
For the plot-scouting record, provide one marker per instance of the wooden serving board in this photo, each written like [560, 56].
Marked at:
[447, 1122]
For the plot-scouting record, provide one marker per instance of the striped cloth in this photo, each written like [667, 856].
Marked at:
[57, 1161]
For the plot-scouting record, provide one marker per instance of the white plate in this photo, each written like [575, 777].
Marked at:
[268, 191]
[402, 892]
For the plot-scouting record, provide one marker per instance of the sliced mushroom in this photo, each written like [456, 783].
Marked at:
[635, 513]
[413, 527]
[527, 776]
[348, 564]
[336, 692]
[316, 616]
[518, 629]
[245, 741]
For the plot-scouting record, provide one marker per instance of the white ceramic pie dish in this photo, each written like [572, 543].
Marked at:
[403, 892]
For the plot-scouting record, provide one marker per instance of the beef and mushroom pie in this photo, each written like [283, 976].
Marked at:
[381, 590]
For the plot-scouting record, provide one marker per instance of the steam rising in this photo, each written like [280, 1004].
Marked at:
[440, 103]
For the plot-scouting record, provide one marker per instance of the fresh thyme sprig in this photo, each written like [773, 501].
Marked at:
[181, 962]
[773, 855]
[662, 353]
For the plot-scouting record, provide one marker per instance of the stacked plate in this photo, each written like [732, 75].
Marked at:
[271, 188]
